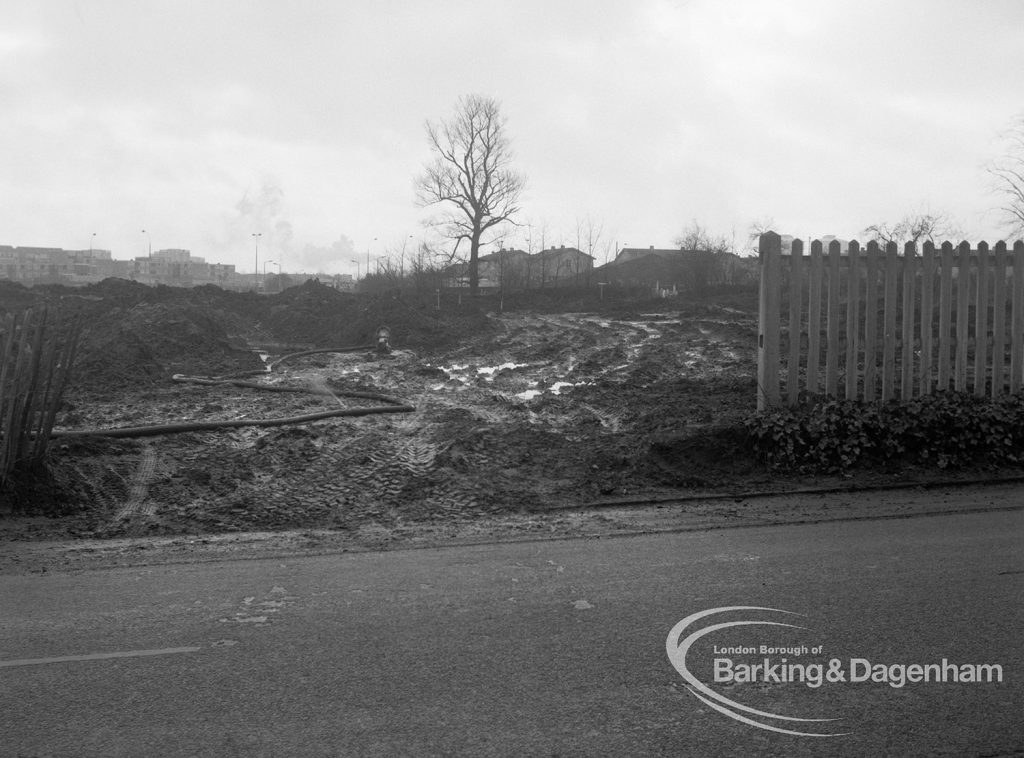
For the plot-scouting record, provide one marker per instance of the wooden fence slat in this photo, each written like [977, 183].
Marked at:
[796, 287]
[19, 391]
[907, 324]
[945, 315]
[999, 321]
[832, 338]
[852, 372]
[892, 262]
[8, 385]
[1017, 345]
[963, 292]
[814, 318]
[871, 322]
[770, 250]
[927, 318]
[67, 360]
[981, 322]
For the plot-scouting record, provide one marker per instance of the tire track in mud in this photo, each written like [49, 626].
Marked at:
[609, 419]
[138, 490]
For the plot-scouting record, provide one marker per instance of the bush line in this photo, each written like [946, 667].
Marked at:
[947, 430]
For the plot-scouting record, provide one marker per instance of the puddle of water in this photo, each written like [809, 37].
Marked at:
[557, 387]
[264, 359]
[492, 370]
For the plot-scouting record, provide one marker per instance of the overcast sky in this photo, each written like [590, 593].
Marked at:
[205, 121]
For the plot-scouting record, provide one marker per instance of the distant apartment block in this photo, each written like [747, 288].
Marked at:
[173, 267]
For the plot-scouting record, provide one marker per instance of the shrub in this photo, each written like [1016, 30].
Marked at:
[946, 429]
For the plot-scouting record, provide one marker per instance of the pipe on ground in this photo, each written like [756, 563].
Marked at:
[395, 405]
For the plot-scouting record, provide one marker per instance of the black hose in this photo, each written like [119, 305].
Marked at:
[395, 405]
[349, 349]
[288, 388]
[200, 426]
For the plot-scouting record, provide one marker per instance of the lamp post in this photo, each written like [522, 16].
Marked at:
[356, 261]
[149, 261]
[91, 240]
[256, 269]
[265, 271]
[368, 258]
[401, 262]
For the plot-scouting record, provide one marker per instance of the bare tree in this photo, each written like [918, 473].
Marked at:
[707, 251]
[471, 176]
[924, 226]
[756, 229]
[588, 236]
[1008, 172]
[697, 237]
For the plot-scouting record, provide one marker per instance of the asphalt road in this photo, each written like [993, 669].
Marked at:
[540, 649]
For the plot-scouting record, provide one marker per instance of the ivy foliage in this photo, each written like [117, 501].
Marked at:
[946, 430]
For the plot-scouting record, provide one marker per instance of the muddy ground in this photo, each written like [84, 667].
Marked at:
[527, 413]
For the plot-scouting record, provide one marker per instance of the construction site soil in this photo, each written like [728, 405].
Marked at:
[540, 405]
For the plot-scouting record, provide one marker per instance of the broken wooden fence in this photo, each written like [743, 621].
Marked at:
[35, 359]
[872, 323]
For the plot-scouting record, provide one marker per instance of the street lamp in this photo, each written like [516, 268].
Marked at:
[401, 272]
[91, 240]
[150, 240]
[356, 261]
[368, 258]
[256, 270]
[265, 269]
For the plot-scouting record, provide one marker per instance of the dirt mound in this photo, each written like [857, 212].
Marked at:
[704, 456]
[316, 314]
[16, 297]
[137, 335]
[149, 342]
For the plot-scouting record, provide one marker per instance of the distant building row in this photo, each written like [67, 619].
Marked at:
[173, 267]
[673, 267]
[518, 269]
[50, 265]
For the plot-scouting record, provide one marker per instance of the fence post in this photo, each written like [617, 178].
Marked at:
[999, 322]
[871, 322]
[769, 247]
[814, 318]
[832, 338]
[892, 262]
[852, 319]
[927, 316]
[963, 293]
[945, 303]
[981, 322]
[795, 308]
[1017, 347]
[907, 325]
